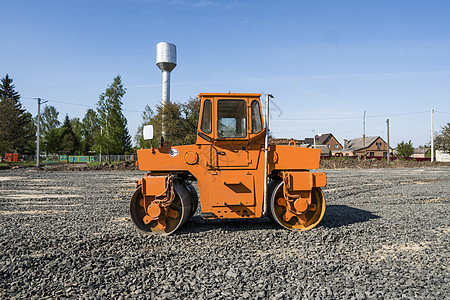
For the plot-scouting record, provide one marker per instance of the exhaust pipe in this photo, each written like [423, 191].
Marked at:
[266, 154]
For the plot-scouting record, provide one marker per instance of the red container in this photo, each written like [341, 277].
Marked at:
[12, 157]
[8, 157]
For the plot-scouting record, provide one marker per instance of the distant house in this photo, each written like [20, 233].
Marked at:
[326, 139]
[420, 152]
[372, 146]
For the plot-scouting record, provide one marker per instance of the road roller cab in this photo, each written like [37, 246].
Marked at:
[238, 174]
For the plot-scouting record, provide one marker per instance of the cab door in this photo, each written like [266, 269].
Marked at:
[239, 124]
[230, 149]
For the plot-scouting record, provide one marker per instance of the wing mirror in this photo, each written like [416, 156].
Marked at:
[147, 132]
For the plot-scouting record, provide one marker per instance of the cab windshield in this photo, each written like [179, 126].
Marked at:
[231, 119]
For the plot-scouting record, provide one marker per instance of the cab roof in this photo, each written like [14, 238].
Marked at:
[229, 94]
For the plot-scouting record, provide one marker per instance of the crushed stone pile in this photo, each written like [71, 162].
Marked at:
[385, 235]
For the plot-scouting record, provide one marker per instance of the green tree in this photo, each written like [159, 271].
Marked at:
[191, 112]
[69, 141]
[442, 139]
[114, 137]
[126, 142]
[405, 149]
[17, 130]
[76, 128]
[147, 118]
[50, 131]
[90, 127]
[30, 136]
[181, 121]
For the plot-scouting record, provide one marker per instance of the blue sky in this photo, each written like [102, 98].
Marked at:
[326, 62]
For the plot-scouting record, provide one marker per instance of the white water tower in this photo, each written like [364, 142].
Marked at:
[166, 60]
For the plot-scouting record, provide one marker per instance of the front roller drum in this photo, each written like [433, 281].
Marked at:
[285, 215]
[169, 220]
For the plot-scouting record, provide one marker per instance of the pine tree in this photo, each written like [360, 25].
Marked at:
[114, 137]
[69, 141]
[126, 142]
[17, 130]
[76, 128]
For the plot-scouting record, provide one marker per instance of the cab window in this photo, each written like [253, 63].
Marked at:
[231, 119]
[206, 117]
[256, 117]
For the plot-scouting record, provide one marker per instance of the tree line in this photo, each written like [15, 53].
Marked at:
[102, 130]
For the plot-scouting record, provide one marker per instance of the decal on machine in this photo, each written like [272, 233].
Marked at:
[173, 152]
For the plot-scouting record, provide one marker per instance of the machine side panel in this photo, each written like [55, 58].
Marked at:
[293, 158]
[164, 159]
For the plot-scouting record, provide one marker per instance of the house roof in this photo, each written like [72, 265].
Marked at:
[421, 150]
[309, 141]
[321, 139]
[358, 143]
[323, 149]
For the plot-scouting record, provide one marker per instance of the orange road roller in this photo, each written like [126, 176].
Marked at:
[239, 174]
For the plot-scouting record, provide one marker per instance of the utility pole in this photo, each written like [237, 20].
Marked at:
[314, 138]
[432, 135]
[101, 134]
[38, 154]
[388, 149]
[364, 135]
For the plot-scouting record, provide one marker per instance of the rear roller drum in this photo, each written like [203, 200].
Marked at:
[286, 215]
[154, 219]
[194, 197]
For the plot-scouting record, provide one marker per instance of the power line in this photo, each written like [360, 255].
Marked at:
[337, 133]
[349, 118]
[79, 104]
[442, 112]
[358, 129]
[64, 102]
[311, 119]
[400, 114]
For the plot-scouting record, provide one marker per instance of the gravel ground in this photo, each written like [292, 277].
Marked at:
[385, 235]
